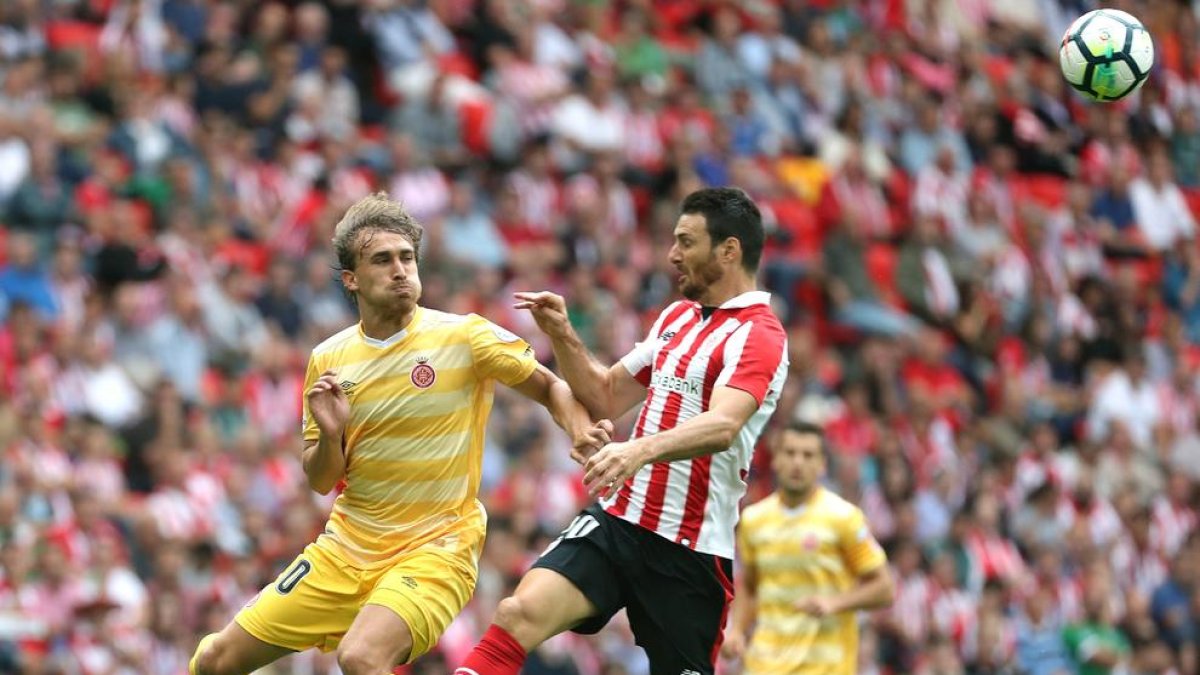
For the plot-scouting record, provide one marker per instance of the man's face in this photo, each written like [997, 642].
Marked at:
[385, 275]
[798, 461]
[694, 257]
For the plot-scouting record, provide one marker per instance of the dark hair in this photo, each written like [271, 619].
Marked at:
[729, 212]
[808, 428]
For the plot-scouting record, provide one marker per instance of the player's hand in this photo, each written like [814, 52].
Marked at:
[608, 469]
[734, 646]
[591, 441]
[328, 405]
[817, 607]
[549, 310]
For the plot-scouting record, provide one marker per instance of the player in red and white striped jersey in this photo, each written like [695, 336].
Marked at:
[660, 543]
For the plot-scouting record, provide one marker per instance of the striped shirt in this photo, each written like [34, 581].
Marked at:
[813, 550]
[694, 502]
[419, 402]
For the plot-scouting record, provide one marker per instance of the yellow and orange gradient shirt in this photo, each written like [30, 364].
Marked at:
[419, 404]
[819, 548]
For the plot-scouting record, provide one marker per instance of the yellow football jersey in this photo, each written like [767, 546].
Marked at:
[818, 548]
[419, 404]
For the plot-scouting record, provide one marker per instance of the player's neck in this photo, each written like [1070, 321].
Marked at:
[383, 325]
[727, 288]
[793, 498]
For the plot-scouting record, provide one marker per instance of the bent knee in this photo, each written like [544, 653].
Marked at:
[215, 658]
[513, 614]
[355, 661]
[528, 622]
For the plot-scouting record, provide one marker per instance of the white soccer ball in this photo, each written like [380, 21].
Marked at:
[1106, 54]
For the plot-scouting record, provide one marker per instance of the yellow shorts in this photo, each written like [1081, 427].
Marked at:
[314, 601]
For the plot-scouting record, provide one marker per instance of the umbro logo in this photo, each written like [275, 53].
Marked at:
[347, 385]
[666, 337]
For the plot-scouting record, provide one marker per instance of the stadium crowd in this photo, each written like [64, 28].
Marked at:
[992, 290]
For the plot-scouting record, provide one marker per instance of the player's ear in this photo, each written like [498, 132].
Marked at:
[350, 281]
[731, 250]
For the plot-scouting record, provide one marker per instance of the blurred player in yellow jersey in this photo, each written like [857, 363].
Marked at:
[396, 407]
[809, 563]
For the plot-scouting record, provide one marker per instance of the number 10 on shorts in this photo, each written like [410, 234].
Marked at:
[580, 527]
[293, 576]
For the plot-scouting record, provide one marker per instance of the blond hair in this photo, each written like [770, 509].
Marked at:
[373, 213]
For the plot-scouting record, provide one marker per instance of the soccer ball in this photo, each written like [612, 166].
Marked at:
[1106, 54]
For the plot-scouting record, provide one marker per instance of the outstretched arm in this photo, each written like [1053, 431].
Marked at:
[568, 413]
[606, 391]
[709, 432]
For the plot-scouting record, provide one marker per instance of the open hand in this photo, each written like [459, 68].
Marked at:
[611, 467]
[328, 405]
[549, 310]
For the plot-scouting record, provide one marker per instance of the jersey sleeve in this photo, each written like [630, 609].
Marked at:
[752, 356]
[640, 360]
[308, 425]
[860, 551]
[500, 354]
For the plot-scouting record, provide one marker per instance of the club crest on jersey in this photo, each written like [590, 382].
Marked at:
[811, 542]
[423, 375]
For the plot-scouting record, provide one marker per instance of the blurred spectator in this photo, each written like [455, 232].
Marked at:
[1185, 147]
[924, 275]
[42, 201]
[336, 93]
[920, 144]
[854, 295]
[1158, 207]
[592, 122]
[1095, 644]
[23, 279]
[1040, 646]
[718, 68]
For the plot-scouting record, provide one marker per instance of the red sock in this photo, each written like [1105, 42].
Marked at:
[498, 653]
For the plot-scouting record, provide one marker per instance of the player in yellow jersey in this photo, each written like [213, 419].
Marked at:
[396, 407]
[809, 563]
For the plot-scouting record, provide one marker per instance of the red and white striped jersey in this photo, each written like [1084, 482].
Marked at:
[1173, 523]
[684, 358]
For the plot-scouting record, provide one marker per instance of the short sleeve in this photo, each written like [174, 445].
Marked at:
[640, 360]
[307, 424]
[500, 354]
[752, 356]
[860, 551]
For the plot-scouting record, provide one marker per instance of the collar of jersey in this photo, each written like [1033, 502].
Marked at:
[393, 339]
[800, 509]
[747, 299]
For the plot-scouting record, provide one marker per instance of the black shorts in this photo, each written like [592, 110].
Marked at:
[677, 599]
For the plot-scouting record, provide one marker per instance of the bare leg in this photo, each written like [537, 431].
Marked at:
[377, 641]
[233, 651]
[545, 604]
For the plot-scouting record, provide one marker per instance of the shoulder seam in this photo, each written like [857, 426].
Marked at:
[334, 340]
